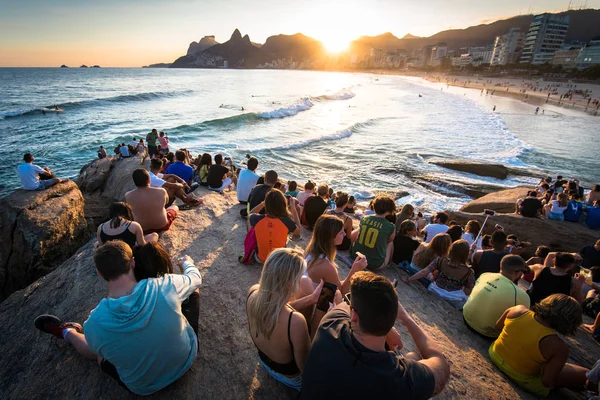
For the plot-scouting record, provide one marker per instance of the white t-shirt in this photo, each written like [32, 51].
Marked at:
[124, 151]
[30, 175]
[134, 144]
[470, 238]
[434, 229]
[246, 182]
[302, 196]
[556, 208]
[156, 181]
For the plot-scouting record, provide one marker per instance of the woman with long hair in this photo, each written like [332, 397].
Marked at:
[471, 231]
[593, 195]
[121, 226]
[555, 210]
[279, 333]
[427, 252]
[321, 251]
[529, 349]
[273, 227]
[455, 280]
[341, 202]
[407, 212]
[202, 170]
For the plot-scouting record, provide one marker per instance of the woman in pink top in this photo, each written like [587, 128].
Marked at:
[164, 143]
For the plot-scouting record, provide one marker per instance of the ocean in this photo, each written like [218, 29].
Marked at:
[357, 132]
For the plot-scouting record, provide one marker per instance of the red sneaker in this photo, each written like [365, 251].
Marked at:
[53, 325]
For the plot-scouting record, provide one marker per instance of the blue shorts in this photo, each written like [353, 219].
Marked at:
[46, 183]
[556, 216]
[295, 383]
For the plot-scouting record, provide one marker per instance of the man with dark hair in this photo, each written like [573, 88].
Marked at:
[555, 277]
[151, 139]
[348, 357]
[489, 260]
[495, 293]
[148, 204]
[173, 184]
[591, 255]
[438, 226]
[314, 207]
[180, 168]
[374, 237]
[257, 195]
[247, 180]
[138, 334]
[530, 206]
[219, 176]
[34, 177]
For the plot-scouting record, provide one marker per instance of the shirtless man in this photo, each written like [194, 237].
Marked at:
[148, 204]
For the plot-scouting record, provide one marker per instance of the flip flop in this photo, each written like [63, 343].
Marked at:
[195, 202]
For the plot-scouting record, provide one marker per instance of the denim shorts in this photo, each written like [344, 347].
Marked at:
[556, 216]
[294, 383]
[45, 184]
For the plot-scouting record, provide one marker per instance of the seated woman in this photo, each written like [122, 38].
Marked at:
[455, 280]
[351, 205]
[202, 170]
[121, 226]
[407, 212]
[555, 210]
[170, 160]
[292, 189]
[405, 245]
[279, 333]
[471, 231]
[529, 349]
[272, 227]
[341, 202]
[426, 253]
[321, 250]
[593, 195]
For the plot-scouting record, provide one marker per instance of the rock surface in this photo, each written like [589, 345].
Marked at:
[38, 231]
[492, 170]
[502, 201]
[226, 367]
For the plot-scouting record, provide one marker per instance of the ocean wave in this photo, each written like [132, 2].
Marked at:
[289, 111]
[126, 98]
[342, 94]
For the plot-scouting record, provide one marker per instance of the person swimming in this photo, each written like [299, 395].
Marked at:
[494, 109]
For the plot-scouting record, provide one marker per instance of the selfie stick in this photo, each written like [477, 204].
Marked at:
[484, 222]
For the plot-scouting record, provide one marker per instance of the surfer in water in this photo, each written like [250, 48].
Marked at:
[242, 108]
[494, 109]
[56, 107]
[537, 110]
[420, 95]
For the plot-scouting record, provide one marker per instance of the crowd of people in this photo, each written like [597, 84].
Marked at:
[315, 331]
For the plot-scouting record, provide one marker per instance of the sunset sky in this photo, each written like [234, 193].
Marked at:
[135, 33]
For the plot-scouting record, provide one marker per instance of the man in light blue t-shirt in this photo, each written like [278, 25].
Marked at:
[138, 334]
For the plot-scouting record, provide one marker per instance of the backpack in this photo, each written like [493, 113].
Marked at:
[250, 247]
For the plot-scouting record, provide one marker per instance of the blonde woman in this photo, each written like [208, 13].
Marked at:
[555, 210]
[427, 252]
[321, 250]
[279, 332]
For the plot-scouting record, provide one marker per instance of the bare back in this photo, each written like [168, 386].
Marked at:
[148, 207]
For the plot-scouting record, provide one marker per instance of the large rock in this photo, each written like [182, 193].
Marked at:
[558, 235]
[38, 231]
[226, 367]
[492, 170]
[502, 201]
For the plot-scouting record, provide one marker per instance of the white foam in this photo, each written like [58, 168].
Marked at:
[343, 94]
[289, 111]
[336, 136]
[15, 113]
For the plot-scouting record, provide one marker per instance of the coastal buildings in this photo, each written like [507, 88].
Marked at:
[546, 35]
[567, 56]
[438, 54]
[507, 47]
[589, 55]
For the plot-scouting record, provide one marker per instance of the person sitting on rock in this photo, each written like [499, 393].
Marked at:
[530, 351]
[374, 237]
[124, 151]
[592, 219]
[593, 195]
[341, 202]
[455, 280]
[350, 208]
[175, 186]
[170, 160]
[472, 232]
[555, 210]
[438, 226]
[278, 331]
[455, 232]
[427, 253]
[529, 207]
[590, 255]
[489, 260]
[321, 251]
[292, 189]
[259, 192]
[309, 188]
[137, 334]
[203, 164]
[272, 227]
[406, 213]
[34, 177]
[247, 180]
[101, 153]
[219, 176]
[405, 245]
[349, 358]
[121, 226]
[148, 204]
[554, 277]
[315, 206]
[181, 169]
[495, 293]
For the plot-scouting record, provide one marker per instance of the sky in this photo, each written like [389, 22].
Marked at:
[132, 33]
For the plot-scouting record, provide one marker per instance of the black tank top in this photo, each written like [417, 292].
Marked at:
[547, 284]
[489, 262]
[126, 236]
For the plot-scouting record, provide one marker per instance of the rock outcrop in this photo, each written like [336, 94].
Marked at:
[39, 230]
[502, 201]
[492, 170]
[226, 367]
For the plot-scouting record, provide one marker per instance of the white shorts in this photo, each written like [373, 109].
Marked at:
[225, 185]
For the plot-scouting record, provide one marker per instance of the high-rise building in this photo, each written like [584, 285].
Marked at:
[481, 55]
[507, 47]
[589, 55]
[567, 55]
[426, 55]
[438, 53]
[545, 36]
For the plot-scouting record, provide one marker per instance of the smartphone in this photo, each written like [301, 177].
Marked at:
[499, 227]
[326, 296]
[491, 213]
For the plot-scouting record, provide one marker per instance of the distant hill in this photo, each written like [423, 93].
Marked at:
[159, 65]
[204, 43]
[297, 47]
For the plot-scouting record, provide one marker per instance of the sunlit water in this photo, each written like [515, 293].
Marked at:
[357, 132]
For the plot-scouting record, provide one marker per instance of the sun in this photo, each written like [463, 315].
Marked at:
[335, 42]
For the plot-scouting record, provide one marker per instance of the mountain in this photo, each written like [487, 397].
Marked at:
[203, 44]
[297, 47]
